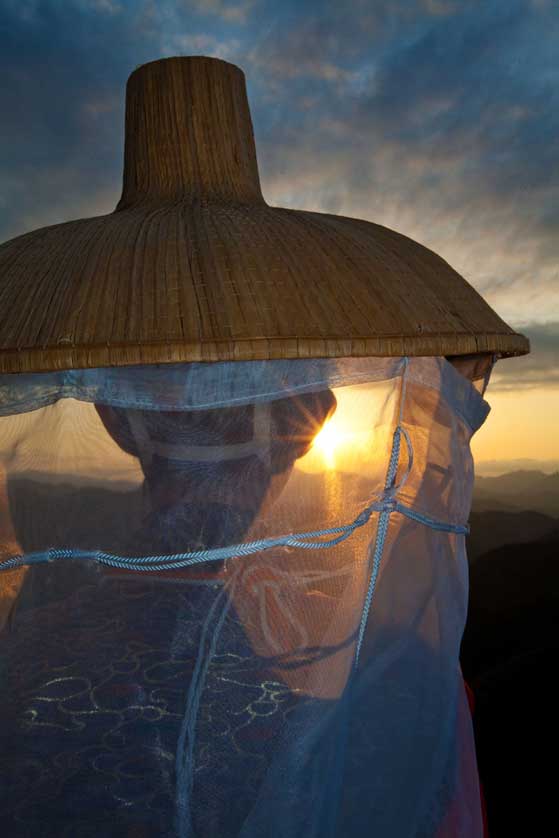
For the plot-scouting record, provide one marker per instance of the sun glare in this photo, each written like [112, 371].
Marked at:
[353, 437]
[327, 441]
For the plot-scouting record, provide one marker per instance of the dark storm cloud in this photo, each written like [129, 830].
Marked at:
[539, 369]
[467, 87]
[62, 68]
[473, 88]
[437, 119]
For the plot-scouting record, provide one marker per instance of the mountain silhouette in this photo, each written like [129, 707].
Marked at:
[524, 490]
[493, 528]
[509, 654]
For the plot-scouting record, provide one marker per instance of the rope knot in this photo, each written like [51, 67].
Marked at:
[363, 517]
[389, 504]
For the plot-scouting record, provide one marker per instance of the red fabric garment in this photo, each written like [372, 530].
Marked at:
[452, 824]
[472, 703]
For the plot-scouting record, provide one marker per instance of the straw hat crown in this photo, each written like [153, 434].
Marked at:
[194, 265]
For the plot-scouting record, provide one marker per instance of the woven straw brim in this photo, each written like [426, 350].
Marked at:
[193, 265]
[208, 282]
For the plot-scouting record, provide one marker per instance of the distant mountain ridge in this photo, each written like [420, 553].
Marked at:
[508, 657]
[526, 478]
[495, 468]
[513, 508]
[491, 529]
[518, 490]
[513, 603]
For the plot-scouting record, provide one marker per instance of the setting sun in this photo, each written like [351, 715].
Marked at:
[354, 433]
[327, 441]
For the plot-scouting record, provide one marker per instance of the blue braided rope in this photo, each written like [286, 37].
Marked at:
[184, 757]
[379, 547]
[382, 529]
[177, 560]
[441, 526]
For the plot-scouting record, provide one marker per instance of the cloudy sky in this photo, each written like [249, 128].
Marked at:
[438, 118]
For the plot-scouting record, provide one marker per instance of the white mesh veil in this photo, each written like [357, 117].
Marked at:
[232, 598]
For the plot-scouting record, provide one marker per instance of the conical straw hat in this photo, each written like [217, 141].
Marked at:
[194, 265]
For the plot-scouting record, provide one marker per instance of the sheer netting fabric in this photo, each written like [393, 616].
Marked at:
[232, 598]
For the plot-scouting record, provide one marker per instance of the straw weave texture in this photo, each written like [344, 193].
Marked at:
[193, 265]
